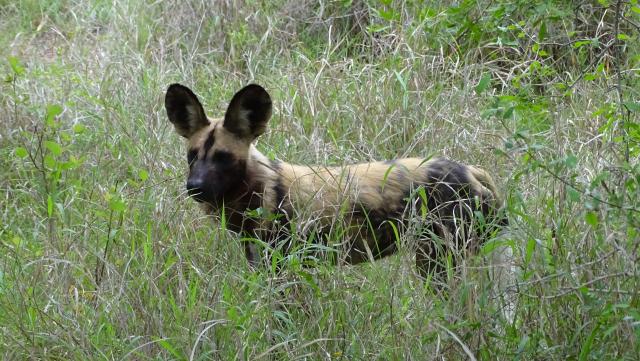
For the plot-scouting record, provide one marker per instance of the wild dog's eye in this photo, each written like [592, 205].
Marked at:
[222, 156]
[191, 156]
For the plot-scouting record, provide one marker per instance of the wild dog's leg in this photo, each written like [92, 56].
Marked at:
[442, 243]
[259, 246]
[257, 256]
[251, 252]
[431, 252]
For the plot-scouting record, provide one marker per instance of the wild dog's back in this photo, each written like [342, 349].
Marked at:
[369, 196]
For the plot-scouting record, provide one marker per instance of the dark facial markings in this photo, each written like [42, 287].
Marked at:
[220, 156]
[192, 155]
[210, 140]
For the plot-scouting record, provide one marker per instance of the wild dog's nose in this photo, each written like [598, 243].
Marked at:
[194, 187]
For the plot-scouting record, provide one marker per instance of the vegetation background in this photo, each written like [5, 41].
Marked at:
[102, 257]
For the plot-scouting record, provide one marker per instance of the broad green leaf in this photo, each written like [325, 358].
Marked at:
[623, 36]
[143, 175]
[49, 161]
[68, 164]
[15, 65]
[21, 152]
[54, 147]
[116, 204]
[388, 15]
[78, 128]
[66, 137]
[484, 83]
[52, 112]
[591, 218]
[17, 241]
[581, 43]
[590, 77]
[573, 194]
[632, 106]
[571, 161]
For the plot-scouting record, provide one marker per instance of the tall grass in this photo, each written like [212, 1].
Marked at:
[103, 257]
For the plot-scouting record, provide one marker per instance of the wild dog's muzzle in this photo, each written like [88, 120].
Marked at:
[195, 189]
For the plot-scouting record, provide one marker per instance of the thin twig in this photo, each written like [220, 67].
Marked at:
[568, 290]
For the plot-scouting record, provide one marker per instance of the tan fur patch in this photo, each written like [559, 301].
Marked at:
[377, 185]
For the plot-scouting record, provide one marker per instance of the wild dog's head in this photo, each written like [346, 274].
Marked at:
[218, 148]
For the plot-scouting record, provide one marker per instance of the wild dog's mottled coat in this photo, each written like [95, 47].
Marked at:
[373, 200]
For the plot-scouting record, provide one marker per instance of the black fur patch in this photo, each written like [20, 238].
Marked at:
[447, 184]
[450, 203]
[278, 234]
[221, 156]
[278, 188]
[445, 171]
[191, 156]
[242, 198]
[375, 224]
[210, 140]
[381, 224]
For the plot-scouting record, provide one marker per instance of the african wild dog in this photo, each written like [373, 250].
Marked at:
[227, 172]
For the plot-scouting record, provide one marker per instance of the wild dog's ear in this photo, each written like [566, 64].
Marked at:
[184, 110]
[248, 112]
